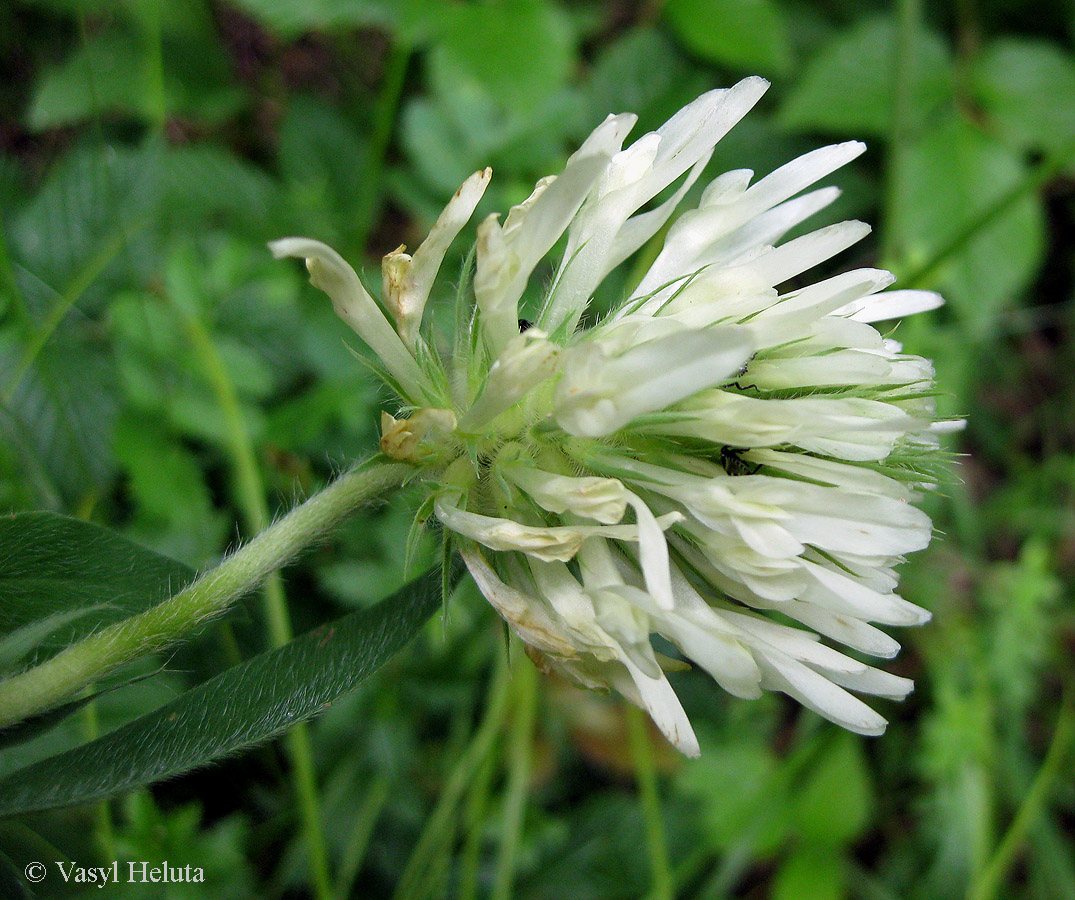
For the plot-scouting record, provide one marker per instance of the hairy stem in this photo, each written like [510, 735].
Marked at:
[81, 664]
[255, 513]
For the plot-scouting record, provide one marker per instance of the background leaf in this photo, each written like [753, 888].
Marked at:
[953, 173]
[519, 52]
[1027, 89]
[849, 85]
[744, 34]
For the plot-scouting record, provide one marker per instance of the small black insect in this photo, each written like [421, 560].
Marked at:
[525, 325]
[734, 464]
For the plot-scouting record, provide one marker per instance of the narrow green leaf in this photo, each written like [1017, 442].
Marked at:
[239, 708]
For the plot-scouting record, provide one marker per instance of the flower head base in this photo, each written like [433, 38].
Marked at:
[716, 449]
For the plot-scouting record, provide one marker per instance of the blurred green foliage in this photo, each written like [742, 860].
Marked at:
[147, 152]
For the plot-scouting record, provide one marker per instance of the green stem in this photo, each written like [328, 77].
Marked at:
[304, 784]
[646, 772]
[92, 658]
[909, 14]
[71, 295]
[248, 481]
[688, 869]
[361, 832]
[384, 119]
[255, 512]
[477, 804]
[519, 769]
[157, 104]
[1040, 175]
[439, 823]
[991, 880]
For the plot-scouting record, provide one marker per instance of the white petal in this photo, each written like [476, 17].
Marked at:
[652, 553]
[839, 368]
[874, 681]
[794, 642]
[832, 294]
[532, 236]
[862, 601]
[602, 499]
[640, 228]
[816, 692]
[430, 254]
[852, 428]
[527, 615]
[803, 253]
[891, 305]
[331, 273]
[598, 395]
[726, 188]
[655, 696]
[830, 472]
[770, 226]
[559, 543]
[705, 636]
[948, 426]
[851, 632]
[576, 609]
[723, 236]
[527, 360]
[698, 126]
[635, 177]
[799, 174]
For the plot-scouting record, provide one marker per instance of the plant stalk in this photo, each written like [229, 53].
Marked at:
[646, 774]
[250, 488]
[909, 14]
[92, 658]
[520, 766]
[990, 882]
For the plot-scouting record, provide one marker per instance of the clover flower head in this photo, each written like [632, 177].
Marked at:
[721, 460]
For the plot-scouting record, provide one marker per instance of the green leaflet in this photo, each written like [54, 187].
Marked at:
[243, 706]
